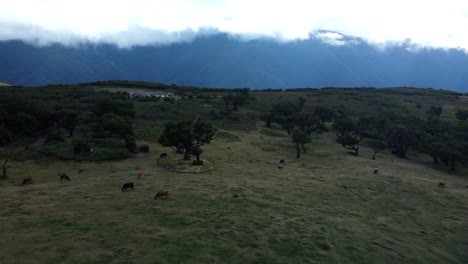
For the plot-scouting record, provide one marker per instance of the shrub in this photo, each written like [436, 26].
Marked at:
[5, 137]
[80, 145]
[54, 137]
[197, 162]
[130, 143]
[144, 148]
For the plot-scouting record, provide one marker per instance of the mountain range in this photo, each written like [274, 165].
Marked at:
[325, 59]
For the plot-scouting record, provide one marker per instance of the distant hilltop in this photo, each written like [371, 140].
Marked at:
[4, 84]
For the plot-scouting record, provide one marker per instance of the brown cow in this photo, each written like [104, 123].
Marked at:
[161, 195]
[140, 174]
[441, 185]
[81, 170]
[27, 180]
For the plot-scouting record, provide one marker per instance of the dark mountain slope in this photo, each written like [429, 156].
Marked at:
[223, 61]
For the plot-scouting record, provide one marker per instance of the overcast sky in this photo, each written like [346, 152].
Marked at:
[429, 23]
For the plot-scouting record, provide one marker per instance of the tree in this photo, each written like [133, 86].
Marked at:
[462, 115]
[348, 135]
[434, 111]
[325, 114]
[349, 141]
[185, 136]
[299, 138]
[449, 154]
[344, 125]
[400, 137]
[376, 145]
[236, 100]
[69, 120]
[105, 106]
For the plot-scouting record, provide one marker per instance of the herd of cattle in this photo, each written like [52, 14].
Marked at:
[127, 186]
[165, 194]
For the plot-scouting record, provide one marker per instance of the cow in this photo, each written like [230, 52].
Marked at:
[347, 186]
[281, 164]
[64, 177]
[140, 174]
[441, 184]
[376, 171]
[81, 170]
[27, 180]
[163, 155]
[228, 147]
[126, 186]
[161, 194]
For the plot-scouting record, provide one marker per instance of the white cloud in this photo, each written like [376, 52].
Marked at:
[435, 23]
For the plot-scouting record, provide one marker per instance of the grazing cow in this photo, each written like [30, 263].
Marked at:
[441, 184]
[64, 177]
[281, 161]
[228, 147]
[127, 186]
[140, 174]
[280, 166]
[81, 170]
[376, 171]
[163, 155]
[161, 195]
[347, 186]
[27, 180]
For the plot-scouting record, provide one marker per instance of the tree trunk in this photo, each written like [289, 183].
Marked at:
[435, 160]
[187, 154]
[356, 149]
[5, 170]
[303, 148]
[298, 151]
[452, 165]
[235, 107]
[198, 157]
[373, 156]
[70, 132]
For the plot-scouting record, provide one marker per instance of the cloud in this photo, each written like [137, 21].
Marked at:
[435, 23]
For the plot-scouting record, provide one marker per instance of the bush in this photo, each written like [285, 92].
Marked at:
[5, 137]
[197, 162]
[130, 143]
[54, 137]
[80, 146]
[144, 149]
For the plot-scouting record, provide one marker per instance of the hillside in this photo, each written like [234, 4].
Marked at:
[226, 61]
[244, 210]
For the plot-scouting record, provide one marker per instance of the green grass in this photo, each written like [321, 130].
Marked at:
[244, 210]
[300, 214]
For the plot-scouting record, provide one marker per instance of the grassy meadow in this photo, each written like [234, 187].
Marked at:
[300, 214]
[244, 210]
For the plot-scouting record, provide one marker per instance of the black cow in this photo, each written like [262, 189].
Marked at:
[64, 177]
[163, 155]
[376, 171]
[127, 186]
